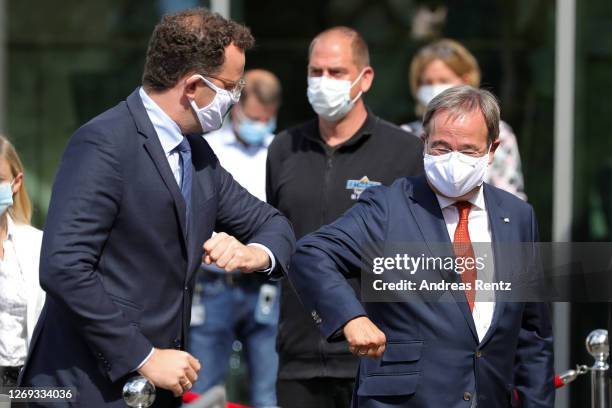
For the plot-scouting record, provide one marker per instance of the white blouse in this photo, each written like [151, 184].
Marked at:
[13, 305]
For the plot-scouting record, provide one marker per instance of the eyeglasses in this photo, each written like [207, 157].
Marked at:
[442, 150]
[233, 87]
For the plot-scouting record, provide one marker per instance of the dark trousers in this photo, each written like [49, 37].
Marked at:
[315, 393]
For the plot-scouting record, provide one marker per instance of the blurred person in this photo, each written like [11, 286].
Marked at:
[446, 63]
[234, 305]
[462, 349]
[21, 297]
[136, 198]
[316, 171]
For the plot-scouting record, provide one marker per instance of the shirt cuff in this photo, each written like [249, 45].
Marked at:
[145, 360]
[270, 255]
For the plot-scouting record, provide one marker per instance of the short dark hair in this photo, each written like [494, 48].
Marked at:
[191, 40]
[359, 48]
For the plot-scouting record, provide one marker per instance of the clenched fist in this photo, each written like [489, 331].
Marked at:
[172, 370]
[230, 254]
[364, 338]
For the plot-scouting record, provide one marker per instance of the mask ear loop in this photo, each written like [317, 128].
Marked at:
[217, 90]
[353, 84]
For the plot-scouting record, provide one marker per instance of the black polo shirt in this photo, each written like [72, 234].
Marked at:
[313, 184]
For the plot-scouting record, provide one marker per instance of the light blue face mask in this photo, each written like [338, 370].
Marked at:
[253, 132]
[6, 196]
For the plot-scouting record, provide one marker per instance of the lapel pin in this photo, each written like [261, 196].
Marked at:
[507, 220]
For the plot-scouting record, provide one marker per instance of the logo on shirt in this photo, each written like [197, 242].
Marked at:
[358, 186]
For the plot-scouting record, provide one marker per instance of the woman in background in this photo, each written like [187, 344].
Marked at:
[21, 298]
[442, 65]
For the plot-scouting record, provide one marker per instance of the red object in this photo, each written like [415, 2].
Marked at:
[558, 381]
[192, 396]
[462, 246]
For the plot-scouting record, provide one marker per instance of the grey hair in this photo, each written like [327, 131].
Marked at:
[463, 99]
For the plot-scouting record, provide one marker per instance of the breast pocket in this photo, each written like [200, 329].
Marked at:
[396, 373]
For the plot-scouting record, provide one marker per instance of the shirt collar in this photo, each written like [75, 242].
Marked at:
[364, 131]
[477, 200]
[168, 132]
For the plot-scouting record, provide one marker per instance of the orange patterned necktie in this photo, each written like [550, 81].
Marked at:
[462, 246]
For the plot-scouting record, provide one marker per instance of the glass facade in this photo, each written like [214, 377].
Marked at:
[592, 214]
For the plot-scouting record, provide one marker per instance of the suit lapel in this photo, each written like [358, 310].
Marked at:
[428, 217]
[203, 188]
[153, 147]
[500, 235]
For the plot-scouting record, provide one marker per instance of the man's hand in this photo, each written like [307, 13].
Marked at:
[228, 253]
[172, 370]
[364, 338]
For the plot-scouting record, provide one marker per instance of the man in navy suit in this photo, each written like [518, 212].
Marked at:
[134, 203]
[459, 351]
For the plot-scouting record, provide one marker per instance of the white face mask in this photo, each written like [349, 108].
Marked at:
[455, 174]
[331, 98]
[426, 93]
[211, 116]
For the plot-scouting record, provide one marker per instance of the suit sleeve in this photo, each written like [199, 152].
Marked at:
[252, 221]
[325, 259]
[534, 372]
[84, 204]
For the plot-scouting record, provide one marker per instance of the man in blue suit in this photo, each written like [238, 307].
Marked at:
[462, 352]
[134, 203]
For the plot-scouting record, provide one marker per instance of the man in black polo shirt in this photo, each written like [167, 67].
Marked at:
[315, 172]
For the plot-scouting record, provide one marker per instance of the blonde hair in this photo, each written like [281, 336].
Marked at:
[453, 54]
[21, 210]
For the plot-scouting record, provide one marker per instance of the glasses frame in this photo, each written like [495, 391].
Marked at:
[235, 87]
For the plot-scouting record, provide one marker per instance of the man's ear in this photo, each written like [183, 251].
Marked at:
[367, 79]
[191, 85]
[494, 147]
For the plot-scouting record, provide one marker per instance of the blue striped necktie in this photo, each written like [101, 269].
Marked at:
[185, 151]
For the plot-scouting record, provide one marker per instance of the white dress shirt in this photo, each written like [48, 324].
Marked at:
[13, 305]
[170, 136]
[247, 164]
[480, 236]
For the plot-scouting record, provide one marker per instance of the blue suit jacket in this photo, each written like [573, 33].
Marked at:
[433, 356]
[118, 261]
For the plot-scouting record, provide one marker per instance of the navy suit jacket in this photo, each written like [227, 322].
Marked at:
[433, 357]
[118, 261]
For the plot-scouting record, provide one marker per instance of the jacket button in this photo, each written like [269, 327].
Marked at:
[467, 396]
[478, 354]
